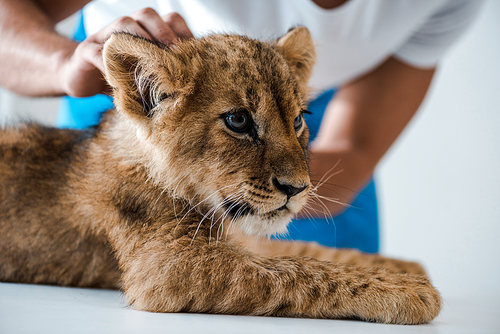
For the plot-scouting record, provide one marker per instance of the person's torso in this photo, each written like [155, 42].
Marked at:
[351, 39]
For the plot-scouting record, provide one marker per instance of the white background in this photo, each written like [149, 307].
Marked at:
[439, 185]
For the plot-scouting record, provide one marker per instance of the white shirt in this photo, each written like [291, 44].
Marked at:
[351, 39]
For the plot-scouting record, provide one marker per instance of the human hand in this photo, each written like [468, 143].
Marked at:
[81, 73]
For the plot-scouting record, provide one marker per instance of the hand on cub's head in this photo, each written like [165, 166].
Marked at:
[81, 73]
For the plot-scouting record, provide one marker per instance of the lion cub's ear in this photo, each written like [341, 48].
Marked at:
[297, 46]
[139, 71]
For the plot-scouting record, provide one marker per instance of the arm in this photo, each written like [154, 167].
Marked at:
[361, 123]
[32, 52]
[37, 61]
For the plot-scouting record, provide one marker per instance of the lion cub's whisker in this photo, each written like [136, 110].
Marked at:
[320, 182]
[206, 199]
[332, 200]
[214, 209]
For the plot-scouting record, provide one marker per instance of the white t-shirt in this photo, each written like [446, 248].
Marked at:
[351, 39]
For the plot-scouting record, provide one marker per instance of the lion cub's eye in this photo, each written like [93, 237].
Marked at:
[297, 123]
[238, 121]
[164, 96]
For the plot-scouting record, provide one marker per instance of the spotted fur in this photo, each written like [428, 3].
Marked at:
[160, 196]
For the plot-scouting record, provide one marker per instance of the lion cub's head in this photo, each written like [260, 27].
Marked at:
[219, 121]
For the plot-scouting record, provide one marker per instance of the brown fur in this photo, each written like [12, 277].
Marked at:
[156, 194]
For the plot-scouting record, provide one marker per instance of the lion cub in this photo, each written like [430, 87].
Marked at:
[207, 138]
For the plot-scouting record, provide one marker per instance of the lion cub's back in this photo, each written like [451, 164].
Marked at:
[34, 165]
[33, 141]
[38, 241]
[31, 152]
[33, 160]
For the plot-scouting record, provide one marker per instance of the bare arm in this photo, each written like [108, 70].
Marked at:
[32, 52]
[361, 123]
[37, 61]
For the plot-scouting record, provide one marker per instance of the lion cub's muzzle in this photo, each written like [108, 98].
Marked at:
[266, 208]
[263, 198]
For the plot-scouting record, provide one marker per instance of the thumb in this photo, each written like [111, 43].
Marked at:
[92, 54]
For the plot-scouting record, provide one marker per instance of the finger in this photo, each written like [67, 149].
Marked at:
[178, 25]
[123, 24]
[92, 54]
[151, 21]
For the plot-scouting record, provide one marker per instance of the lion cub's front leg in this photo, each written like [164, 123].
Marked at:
[183, 275]
[267, 247]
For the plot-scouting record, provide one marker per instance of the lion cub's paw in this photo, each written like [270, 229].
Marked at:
[401, 299]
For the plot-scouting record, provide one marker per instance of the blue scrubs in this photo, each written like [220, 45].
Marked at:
[356, 227]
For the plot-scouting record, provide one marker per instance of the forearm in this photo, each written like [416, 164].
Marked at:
[38, 62]
[32, 52]
[339, 167]
[338, 177]
[360, 125]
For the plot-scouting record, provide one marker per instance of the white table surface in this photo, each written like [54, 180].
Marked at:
[28, 308]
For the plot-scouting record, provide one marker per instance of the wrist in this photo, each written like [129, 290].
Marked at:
[350, 159]
[61, 62]
[339, 175]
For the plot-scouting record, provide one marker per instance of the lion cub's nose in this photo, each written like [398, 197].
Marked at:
[287, 189]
